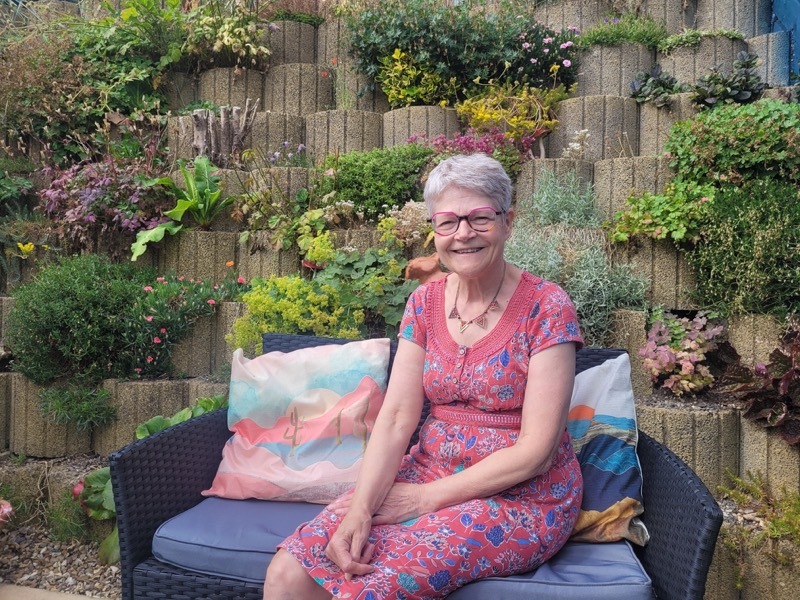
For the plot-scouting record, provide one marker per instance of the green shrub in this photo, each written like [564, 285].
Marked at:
[738, 142]
[692, 38]
[374, 181]
[746, 259]
[85, 408]
[576, 260]
[471, 42]
[292, 304]
[657, 87]
[627, 29]
[560, 199]
[678, 213]
[741, 84]
[65, 519]
[68, 322]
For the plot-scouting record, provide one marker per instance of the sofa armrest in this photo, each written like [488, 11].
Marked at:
[683, 519]
[159, 477]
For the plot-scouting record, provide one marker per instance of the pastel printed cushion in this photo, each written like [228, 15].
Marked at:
[602, 423]
[301, 421]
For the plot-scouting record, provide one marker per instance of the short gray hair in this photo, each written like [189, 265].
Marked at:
[475, 172]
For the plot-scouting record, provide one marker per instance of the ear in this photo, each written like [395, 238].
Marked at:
[509, 222]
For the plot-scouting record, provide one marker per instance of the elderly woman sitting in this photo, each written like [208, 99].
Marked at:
[493, 487]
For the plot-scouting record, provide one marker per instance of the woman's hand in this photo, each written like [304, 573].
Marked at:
[350, 548]
[403, 502]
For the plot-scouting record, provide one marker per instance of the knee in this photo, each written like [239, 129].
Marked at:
[284, 574]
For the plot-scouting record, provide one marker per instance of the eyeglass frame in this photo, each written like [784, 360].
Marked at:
[466, 217]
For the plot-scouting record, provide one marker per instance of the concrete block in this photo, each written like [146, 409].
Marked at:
[613, 125]
[748, 17]
[531, 170]
[5, 408]
[259, 259]
[764, 452]
[6, 304]
[629, 331]
[291, 42]
[721, 580]
[332, 46]
[200, 255]
[299, 89]
[671, 277]
[204, 388]
[137, 402]
[775, 56]
[33, 434]
[227, 313]
[401, 123]
[656, 122]
[676, 16]
[609, 70]
[689, 63]
[270, 130]
[179, 137]
[578, 13]
[181, 89]
[784, 93]
[231, 87]
[337, 131]
[356, 91]
[706, 438]
[281, 183]
[617, 179]
[754, 337]
[193, 356]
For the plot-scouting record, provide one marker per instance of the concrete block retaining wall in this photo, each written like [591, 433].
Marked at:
[609, 70]
[688, 64]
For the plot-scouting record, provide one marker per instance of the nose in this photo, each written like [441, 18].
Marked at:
[464, 230]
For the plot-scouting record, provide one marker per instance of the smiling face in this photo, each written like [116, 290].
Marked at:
[470, 253]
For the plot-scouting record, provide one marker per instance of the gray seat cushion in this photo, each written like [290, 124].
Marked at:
[237, 539]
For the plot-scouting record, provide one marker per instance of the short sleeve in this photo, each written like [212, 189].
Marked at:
[552, 319]
[413, 325]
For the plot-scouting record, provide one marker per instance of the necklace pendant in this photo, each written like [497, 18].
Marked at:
[454, 314]
[464, 325]
[481, 321]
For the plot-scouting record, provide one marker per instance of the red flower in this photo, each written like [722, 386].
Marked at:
[156, 340]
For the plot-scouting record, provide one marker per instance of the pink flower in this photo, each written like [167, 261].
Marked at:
[163, 330]
[147, 288]
[240, 280]
[526, 45]
[567, 63]
[534, 61]
[149, 359]
[148, 318]
[160, 279]
[547, 50]
[138, 370]
[566, 45]
[547, 40]
[211, 301]
[156, 340]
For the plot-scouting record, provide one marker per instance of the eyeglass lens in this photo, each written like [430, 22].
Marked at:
[481, 219]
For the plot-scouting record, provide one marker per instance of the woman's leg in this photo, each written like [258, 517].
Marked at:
[287, 580]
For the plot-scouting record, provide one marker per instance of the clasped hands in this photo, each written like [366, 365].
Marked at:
[349, 547]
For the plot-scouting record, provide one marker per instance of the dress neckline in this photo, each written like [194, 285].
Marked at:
[496, 337]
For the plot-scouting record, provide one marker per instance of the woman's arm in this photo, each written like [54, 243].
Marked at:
[551, 375]
[394, 426]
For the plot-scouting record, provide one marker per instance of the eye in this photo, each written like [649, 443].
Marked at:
[445, 221]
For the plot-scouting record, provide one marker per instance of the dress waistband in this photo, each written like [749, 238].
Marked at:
[473, 416]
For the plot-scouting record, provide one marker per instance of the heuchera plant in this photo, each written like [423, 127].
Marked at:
[677, 348]
[771, 392]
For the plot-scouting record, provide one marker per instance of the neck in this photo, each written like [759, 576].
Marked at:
[481, 291]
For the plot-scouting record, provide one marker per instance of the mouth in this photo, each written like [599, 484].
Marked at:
[467, 251]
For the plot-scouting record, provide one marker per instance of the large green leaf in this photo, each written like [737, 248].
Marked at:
[152, 235]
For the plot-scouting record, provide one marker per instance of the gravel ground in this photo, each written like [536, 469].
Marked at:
[30, 557]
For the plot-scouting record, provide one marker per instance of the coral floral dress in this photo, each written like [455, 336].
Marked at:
[476, 395]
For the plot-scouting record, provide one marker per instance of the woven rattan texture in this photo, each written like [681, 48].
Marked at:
[683, 519]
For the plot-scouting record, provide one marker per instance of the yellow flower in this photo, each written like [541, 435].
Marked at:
[25, 249]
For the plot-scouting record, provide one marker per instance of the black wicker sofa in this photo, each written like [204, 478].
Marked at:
[162, 476]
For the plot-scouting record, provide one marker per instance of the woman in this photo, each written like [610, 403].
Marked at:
[493, 487]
